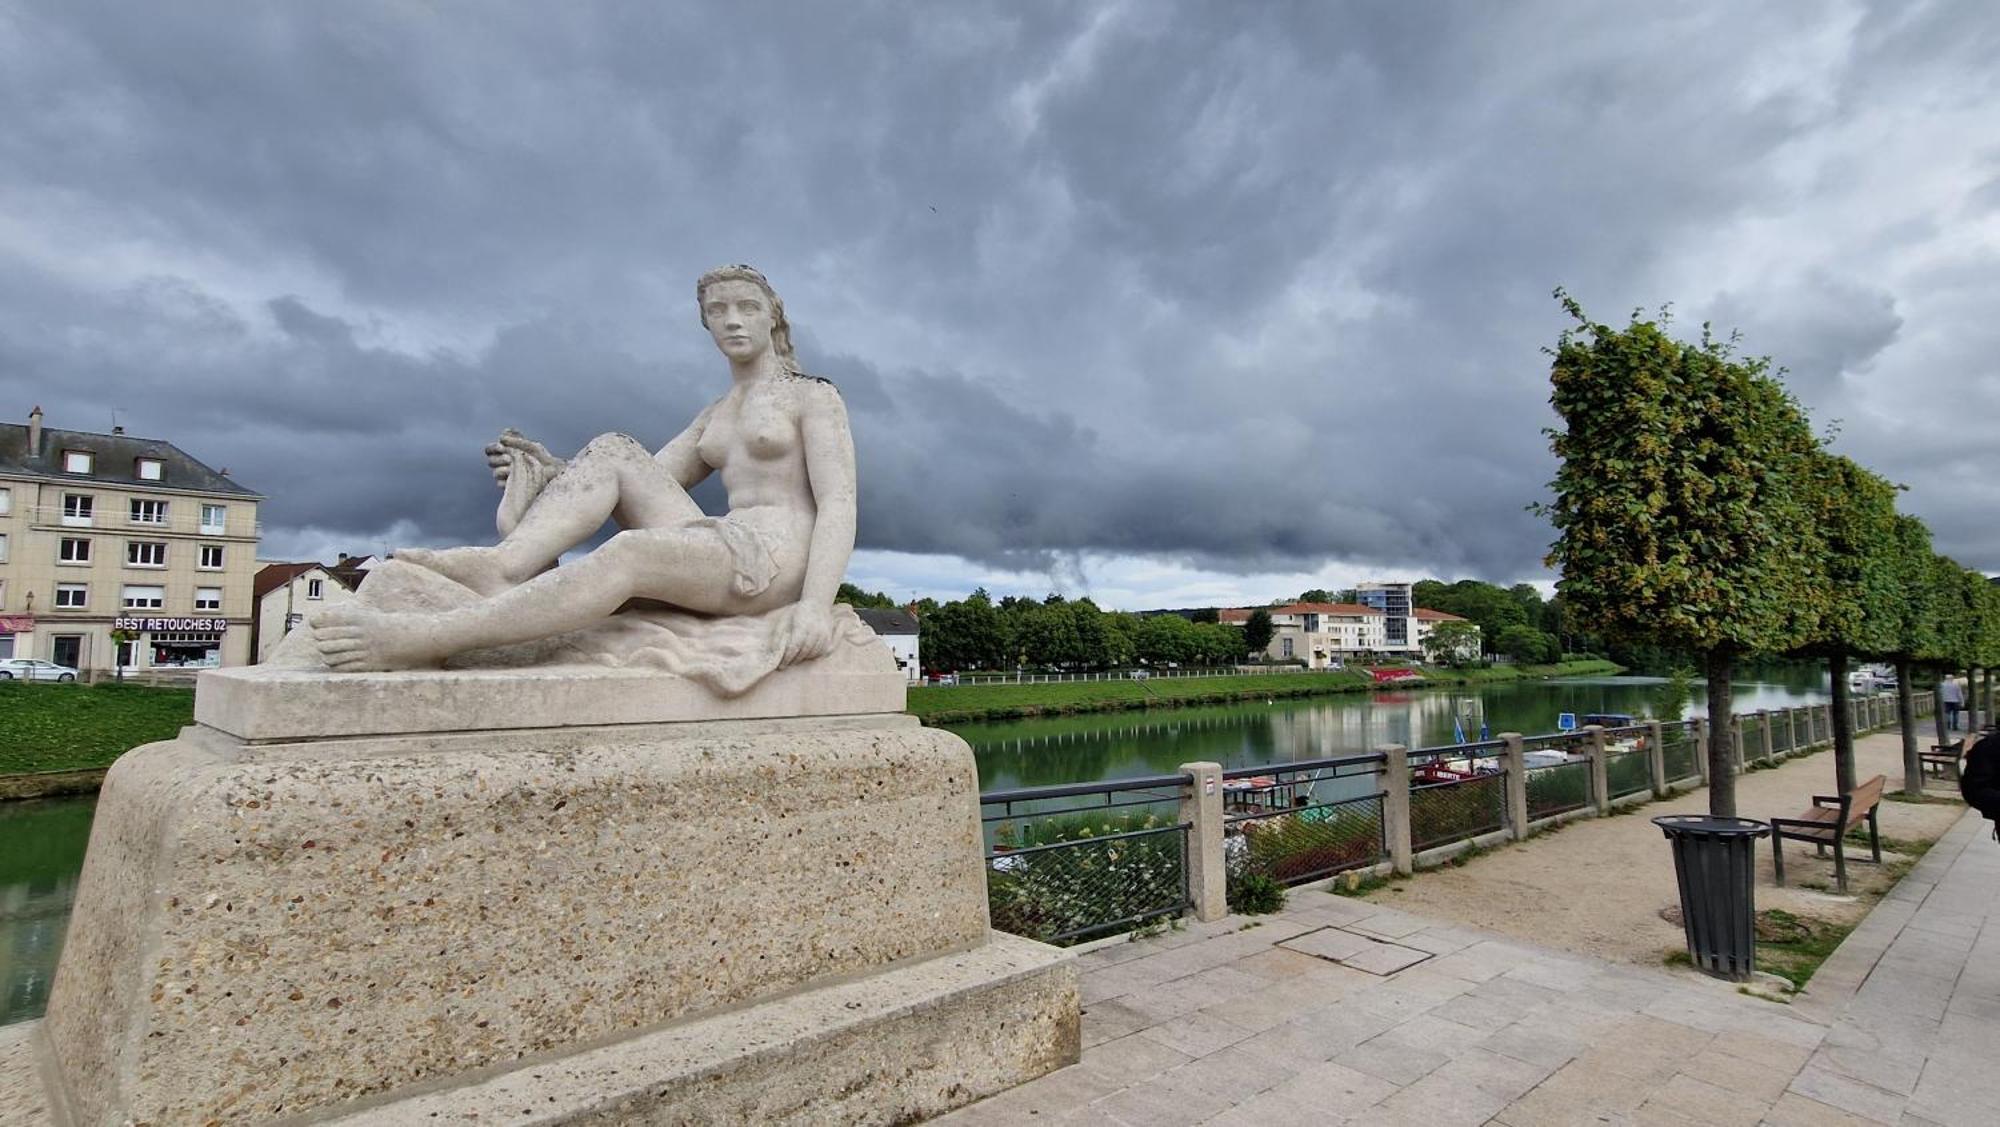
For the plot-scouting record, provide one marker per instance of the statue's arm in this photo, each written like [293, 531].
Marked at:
[829, 453]
[681, 457]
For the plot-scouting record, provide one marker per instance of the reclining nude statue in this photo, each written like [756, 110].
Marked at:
[722, 600]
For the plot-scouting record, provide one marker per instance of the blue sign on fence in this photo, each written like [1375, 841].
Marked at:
[1565, 721]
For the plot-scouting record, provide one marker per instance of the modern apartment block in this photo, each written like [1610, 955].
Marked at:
[1398, 610]
[118, 550]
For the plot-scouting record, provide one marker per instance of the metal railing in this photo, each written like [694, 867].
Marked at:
[1678, 751]
[1628, 763]
[1457, 793]
[1065, 863]
[1278, 824]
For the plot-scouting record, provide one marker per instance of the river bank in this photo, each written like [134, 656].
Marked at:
[941, 705]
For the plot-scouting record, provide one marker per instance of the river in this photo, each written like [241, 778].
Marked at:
[42, 842]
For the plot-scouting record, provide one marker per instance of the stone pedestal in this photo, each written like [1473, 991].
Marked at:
[744, 919]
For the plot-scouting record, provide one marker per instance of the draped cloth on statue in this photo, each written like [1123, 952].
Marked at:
[729, 655]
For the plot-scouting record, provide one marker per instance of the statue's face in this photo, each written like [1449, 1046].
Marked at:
[739, 318]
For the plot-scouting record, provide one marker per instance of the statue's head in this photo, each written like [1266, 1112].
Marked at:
[781, 329]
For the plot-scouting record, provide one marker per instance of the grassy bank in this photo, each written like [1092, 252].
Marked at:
[78, 727]
[956, 704]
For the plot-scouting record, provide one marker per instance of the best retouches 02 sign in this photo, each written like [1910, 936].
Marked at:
[172, 625]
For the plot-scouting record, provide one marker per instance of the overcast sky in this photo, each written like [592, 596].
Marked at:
[1168, 304]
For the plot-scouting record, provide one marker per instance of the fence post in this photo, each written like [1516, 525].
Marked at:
[1201, 809]
[1396, 807]
[1600, 782]
[1770, 748]
[1656, 757]
[1515, 764]
[1736, 743]
[1701, 748]
[1792, 728]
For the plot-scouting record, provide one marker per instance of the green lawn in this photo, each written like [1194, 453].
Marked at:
[52, 727]
[1000, 701]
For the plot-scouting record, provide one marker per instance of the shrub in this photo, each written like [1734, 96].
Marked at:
[1254, 894]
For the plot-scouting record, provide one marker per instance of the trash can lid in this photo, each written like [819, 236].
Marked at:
[1674, 825]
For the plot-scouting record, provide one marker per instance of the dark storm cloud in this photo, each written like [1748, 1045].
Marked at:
[1251, 289]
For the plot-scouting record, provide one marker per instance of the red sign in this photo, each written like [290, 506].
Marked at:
[16, 623]
[1387, 675]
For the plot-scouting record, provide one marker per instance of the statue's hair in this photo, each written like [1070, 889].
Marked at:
[781, 329]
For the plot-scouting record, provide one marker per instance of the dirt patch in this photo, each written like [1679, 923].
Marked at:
[1598, 886]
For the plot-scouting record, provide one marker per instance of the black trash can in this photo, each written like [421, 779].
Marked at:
[1715, 862]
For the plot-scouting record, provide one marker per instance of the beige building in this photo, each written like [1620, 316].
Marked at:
[104, 533]
[1325, 634]
[287, 593]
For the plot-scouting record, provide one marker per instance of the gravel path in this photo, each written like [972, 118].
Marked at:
[1597, 885]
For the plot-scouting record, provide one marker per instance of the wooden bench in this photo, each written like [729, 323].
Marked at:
[1941, 761]
[1827, 824]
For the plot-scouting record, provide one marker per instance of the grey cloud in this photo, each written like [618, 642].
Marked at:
[1253, 290]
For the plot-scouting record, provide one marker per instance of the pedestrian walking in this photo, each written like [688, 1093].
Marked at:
[1954, 701]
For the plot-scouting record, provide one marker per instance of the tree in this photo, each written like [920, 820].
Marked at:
[1454, 643]
[1855, 511]
[1678, 504]
[1525, 643]
[855, 597]
[1317, 595]
[1257, 632]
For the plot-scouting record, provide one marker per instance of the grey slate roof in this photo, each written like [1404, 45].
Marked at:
[888, 621]
[116, 457]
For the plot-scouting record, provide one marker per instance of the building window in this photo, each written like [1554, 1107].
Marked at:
[146, 553]
[315, 588]
[145, 598]
[72, 596]
[77, 461]
[1287, 647]
[73, 550]
[211, 557]
[3, 547]
[214, 518]
[77, 508]
[148, 512]
[208, 598]
[6, 501]
[150, 469]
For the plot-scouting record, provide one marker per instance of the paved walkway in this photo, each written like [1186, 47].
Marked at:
[1423, 1022]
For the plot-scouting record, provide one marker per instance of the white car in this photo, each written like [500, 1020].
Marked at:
[31, 669]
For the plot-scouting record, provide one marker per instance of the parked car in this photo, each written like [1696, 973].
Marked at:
[33, 669]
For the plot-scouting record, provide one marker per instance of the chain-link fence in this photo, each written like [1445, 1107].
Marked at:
[1441, 813]
[1781, 731]
[1556, 785]
[1067, 863]
[1300, 821]
[1628, 772]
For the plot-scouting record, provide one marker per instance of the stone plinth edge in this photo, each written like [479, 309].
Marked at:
[266, 703]
[898, 1046]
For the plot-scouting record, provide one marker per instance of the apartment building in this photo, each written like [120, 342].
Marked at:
[121, 551]
[1325, 634]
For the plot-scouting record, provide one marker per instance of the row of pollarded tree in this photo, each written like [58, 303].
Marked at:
[1695, 509]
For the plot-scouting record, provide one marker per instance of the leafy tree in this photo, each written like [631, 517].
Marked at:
[1524, 643]
[855, 597]
[1678, 507]
[1453, 643]
[1855, 512]
[1529, 600]
[1257, 632]
[1205, 614]
[1317, 595]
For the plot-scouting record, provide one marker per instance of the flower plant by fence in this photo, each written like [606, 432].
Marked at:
[1069, 863]
[1278, 824]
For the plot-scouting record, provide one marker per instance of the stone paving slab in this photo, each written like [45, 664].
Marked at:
[1250, 1023]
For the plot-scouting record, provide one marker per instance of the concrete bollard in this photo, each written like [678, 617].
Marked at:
[1514, 761]
[1600, 781]
[1207, 874]
[1656, 757]
[1396, 807]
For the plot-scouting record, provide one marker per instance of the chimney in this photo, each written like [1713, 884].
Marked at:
[35, 432]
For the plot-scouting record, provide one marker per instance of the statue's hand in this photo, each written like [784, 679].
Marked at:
[512, 444]
[807, 633]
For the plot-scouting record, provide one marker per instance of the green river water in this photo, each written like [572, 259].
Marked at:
[42, 842]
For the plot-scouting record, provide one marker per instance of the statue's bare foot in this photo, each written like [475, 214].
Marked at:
[477, 568]
[355, 639]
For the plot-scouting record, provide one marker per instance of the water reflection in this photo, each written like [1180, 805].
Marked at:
[41, 855]
[1067, 749]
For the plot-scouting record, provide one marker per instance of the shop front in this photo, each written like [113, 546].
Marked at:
[171, 643]
[16, 635]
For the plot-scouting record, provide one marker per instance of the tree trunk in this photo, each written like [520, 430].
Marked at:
[1720, 667]
[1937, 709]
[1843, 723]
[1906, 717]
